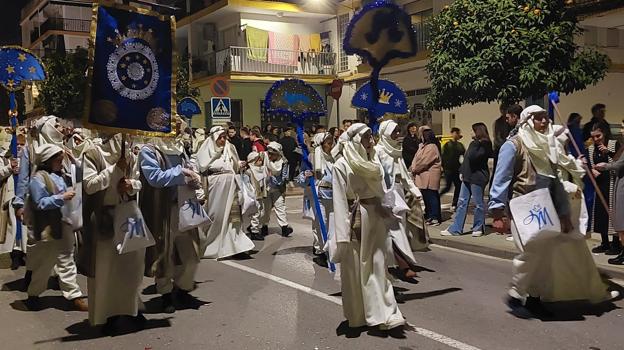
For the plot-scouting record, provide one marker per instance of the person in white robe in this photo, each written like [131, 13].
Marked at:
[258, 174]
[54, 238]
[12, 239]
[557, 268]
[396, 182]
[114, 288]
[218, 162]
[277, 166]
[361, 237]
[322, 163]
[173, 260]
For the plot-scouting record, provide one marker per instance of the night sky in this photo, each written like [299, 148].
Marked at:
[10, 18]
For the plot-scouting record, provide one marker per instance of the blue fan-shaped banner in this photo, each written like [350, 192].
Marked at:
[380, 32]
[392, 99]
[295, 98]
[19, 66]
[188, 107]
[299, 101]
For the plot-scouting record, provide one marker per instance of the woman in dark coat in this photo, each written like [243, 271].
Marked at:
[475, 174]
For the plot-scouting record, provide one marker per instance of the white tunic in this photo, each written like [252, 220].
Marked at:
[367, 294]
[224, 237]
[115, 288]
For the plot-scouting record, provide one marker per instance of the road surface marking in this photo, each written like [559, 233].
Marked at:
[465, 252]
[479, 255]
[338, 301]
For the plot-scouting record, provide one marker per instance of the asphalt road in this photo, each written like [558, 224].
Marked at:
[281, 300]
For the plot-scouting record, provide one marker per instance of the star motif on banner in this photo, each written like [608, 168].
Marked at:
[364, 96]
[21, 57]
[10, 69]
[32, 70]
[398, 103]
[133, 71]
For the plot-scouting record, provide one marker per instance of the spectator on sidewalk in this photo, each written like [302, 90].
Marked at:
[410, 143]
[289, 147]
[235, 140]
[245, 143]
[617, 168]
[475, 174]
[257, 143]
[598, 117]
[346, 124]
[603, 150]
[452, 152]
[427, 171]
[501, 130]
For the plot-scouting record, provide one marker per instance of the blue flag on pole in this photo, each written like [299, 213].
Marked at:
[132, 82]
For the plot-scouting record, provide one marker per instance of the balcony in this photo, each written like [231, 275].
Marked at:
[584, 8]
[61, 24]
[263, 61]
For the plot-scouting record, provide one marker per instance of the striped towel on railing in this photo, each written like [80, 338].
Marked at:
[283, 49]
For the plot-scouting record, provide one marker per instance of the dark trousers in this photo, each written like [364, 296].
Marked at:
[432, 204]
[293, 164]
[452, 178]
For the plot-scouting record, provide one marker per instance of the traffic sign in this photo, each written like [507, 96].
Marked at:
[221, 107]
[188, 107]
[335, 90]
[220, 87]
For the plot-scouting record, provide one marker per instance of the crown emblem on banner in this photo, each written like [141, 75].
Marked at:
[384, 97]
[138, 32]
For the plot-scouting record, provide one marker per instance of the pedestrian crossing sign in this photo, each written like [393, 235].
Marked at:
[221, 107]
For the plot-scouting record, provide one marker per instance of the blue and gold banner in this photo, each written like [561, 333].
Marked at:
[132, 76]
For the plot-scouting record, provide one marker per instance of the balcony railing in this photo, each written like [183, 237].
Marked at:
[271, 61]
[423, 35]
[66, 24]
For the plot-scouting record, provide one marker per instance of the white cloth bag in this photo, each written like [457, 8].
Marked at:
[72, 209]
[192, 213]
[247, 197]
[131, 232]
[535, 216]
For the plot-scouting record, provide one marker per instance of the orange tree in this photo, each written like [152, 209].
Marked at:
[506, 51]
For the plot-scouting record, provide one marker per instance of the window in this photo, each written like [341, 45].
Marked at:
[343, 22]
[420, 22]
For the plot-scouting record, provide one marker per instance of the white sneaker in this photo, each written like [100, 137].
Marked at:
[434, 223]
[445, 233]
[477, 233]
[614, 294]
[509, 239]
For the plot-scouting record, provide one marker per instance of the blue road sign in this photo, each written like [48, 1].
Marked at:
[221, 108]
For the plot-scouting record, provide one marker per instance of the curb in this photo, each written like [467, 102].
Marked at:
[612, 272]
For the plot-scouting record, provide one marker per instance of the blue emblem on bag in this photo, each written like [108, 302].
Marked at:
[133, 227]
[541, 215]
[193, 205]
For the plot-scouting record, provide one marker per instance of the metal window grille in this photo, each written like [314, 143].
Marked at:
[343, 22]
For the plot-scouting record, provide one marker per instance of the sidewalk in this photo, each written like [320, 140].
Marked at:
[496, 245]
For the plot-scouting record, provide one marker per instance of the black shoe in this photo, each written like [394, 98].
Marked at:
[139, 321]
[286, 231]
[256, 237]
[615, 249]
[167, 303]
[183, 297]
[600, 248]
[249, 229]
[321, 260]
[537, 308]
[264, 230]
[517, 309]
[110, 327]
[27, 279]
[17, 258]
[33, 303]
[618, 260]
